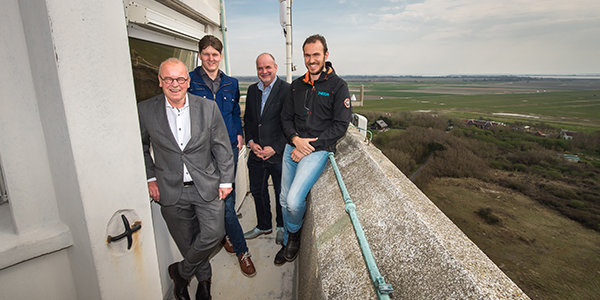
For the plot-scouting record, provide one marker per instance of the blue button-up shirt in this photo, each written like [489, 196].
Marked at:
[265, 93]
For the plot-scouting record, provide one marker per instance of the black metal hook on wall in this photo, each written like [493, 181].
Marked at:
[129, 230]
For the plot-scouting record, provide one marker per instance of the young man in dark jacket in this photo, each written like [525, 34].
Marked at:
[209, 82]
[314, 118]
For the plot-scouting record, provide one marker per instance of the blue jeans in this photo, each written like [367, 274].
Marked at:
[297, 178]
[258, 173]
[232, 224]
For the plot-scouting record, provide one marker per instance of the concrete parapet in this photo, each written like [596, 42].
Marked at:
[418, 250]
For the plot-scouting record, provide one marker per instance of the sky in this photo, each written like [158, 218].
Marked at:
[423, 37]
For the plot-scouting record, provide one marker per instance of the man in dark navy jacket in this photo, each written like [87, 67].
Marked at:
[262, 126]
[209, 82]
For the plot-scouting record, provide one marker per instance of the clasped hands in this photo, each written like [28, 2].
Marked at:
[260, 152]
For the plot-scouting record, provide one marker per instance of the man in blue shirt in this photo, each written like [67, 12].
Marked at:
[262, 126]
[209, 82]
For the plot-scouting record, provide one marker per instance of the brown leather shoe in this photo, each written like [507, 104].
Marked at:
[246, 265]
[227, 245]
[203, 291]
[180, 288]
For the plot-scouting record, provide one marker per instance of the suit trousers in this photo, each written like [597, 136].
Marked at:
[197, 226]
[258, 173]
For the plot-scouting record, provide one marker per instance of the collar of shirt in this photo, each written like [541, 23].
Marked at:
[265, 92]
[213, 85]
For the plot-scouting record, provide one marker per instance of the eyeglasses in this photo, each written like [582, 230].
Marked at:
[169, 80]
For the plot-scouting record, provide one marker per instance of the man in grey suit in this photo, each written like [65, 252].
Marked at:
[192, 171]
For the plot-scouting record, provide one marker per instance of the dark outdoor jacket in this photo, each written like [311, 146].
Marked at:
[265, 129]
[318, 109]
[227, 98]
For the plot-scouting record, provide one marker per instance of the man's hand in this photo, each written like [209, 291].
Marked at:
[267, 152]
[303, 144]
[240, 142]
[256, 148]
[223, 192]
[296, 155]
[153, 190]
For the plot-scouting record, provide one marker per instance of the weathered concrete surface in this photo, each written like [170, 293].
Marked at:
[417, 248]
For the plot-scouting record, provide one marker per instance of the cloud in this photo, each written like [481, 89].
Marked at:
[476, 18]
[427, 36]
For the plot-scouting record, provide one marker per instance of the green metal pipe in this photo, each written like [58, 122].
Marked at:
[383, 290]
[370, 138]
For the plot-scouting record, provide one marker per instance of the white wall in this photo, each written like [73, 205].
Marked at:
[71, 153]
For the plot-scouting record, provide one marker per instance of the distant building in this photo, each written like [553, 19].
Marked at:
[570, 157]
[380, 125]
[567, 134]
[481, 124]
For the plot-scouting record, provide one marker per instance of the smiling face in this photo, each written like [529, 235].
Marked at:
[314, 58]
[266, 69]
[174, 91]
[210, 58]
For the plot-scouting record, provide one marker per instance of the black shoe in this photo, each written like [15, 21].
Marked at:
[180, 284]
[203, 291]
[292, 247]
[279, 257]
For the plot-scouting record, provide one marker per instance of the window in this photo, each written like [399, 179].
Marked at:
[145, 59]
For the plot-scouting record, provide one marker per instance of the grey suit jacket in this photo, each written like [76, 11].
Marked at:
[207, 156]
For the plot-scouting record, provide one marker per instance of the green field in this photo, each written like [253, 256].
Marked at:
[563, 104]
[537, 219]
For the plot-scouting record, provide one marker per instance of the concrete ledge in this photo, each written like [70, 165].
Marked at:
[417, 248]
[17, 248]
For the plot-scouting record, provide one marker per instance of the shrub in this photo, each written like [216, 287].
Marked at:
[515, 185]
[538, 169]
[498, 165]
[402, 160]
[554, 174]
[521, 168]
[488, 216]
[575, 204]
[560, 192]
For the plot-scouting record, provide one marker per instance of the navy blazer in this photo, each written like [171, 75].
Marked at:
[265, 129]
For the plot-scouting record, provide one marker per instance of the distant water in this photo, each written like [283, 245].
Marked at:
[595, 76]
[566, 76]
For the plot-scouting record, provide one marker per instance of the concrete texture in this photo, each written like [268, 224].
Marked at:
[417, 248]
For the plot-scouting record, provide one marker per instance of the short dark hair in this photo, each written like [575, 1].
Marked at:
[313, 39]
[210, 40]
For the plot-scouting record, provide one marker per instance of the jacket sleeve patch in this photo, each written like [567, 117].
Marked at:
[347, 102]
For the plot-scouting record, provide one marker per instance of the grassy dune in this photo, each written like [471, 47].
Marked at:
[548, 255]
